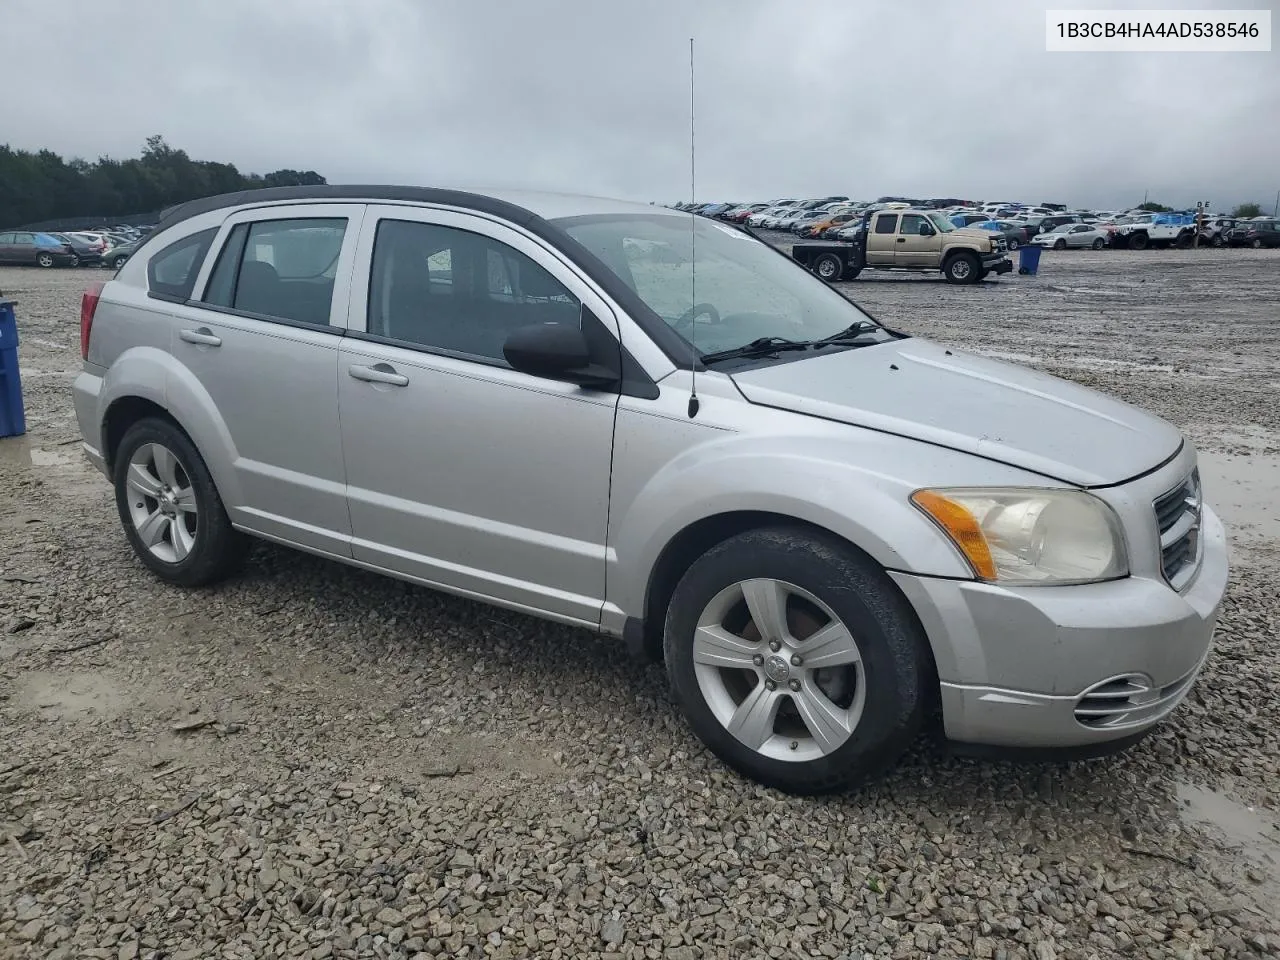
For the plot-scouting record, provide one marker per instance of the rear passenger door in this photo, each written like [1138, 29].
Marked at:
[881, 240]
[261, 334]
[461, 471]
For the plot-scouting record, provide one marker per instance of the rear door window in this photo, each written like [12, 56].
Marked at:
[171, 273]
[887, 223]
[279, 269]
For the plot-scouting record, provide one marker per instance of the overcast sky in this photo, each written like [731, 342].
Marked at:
[793, 98]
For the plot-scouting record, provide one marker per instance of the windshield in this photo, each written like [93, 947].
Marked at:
[942, 223]
[744, 289]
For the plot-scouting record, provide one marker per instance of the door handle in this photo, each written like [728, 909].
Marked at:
[902, 239]
[204, 336]
[379, 373]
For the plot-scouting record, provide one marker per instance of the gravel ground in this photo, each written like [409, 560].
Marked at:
[312, 761]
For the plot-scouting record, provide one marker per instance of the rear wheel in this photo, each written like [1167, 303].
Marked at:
[170, 508]
[962, 268]
[1256, 244]
[1013, 243]
[795, 660]
[828, 267]
[44, 260]
[1098, 244]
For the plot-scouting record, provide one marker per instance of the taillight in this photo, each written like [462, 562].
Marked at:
[88, 306]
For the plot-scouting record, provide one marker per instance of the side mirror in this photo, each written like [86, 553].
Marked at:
[556, 351]
[926, 230]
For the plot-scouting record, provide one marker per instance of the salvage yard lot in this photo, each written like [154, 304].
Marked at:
[314, 761]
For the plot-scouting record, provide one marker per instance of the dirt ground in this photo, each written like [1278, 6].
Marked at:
[313, 761]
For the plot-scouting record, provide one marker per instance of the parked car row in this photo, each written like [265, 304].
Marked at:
[1046, 225]
[108, 246]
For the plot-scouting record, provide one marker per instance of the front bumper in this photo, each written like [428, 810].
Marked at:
[1016, 663]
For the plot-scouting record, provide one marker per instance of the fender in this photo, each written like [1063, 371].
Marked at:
[153, 374]
[828, 479]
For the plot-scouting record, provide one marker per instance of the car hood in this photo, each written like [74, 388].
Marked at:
[919, 389]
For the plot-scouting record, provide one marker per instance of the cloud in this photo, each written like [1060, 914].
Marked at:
[864, 99]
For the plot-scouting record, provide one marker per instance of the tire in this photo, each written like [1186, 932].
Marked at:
[1139, 241]
[44, 260]
[1256, 243]
[194, 543]
[881, 699]
[1060, 245]
[75, 261]
[851, 273]
[1013, 244]
[1098, 243]
[1217, 240]
[828, 267]
[962, 268]
[1183, 241]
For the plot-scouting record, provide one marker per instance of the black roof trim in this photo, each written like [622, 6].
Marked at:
[675, 347]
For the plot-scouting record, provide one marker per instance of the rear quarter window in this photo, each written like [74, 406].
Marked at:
[171, 273]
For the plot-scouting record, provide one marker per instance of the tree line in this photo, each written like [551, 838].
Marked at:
[1243, 211]
[41, 186]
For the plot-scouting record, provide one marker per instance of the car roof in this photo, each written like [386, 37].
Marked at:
[514, 205]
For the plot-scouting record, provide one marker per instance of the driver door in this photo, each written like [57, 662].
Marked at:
[913, 250]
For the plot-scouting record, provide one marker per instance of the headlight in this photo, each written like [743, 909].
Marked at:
[1030, 536]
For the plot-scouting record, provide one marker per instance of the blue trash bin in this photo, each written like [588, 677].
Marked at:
[13, 420]
[1029, 259]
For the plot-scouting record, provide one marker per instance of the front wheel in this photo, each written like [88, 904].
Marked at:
[1098, 244]
[1139, 241]
[962, 268]
[171, 511]
[828, 267]
[795, 660]
[1060, 245]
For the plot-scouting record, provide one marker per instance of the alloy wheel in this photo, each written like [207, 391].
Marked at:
[779, 670]
[162, 503]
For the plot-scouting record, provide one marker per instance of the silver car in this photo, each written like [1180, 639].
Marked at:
[830, 531]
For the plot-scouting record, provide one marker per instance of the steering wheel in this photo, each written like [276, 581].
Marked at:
[698, 309]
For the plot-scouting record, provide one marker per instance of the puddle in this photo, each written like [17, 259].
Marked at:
[69, 696]
[52, 458]
[1252, 837]
[20, 452]
[1245, 492]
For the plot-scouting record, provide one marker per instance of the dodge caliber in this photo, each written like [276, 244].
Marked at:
[655, 426]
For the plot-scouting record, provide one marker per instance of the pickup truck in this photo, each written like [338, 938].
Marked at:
[911, 239]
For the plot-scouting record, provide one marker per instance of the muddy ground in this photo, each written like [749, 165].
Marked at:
[312, 761]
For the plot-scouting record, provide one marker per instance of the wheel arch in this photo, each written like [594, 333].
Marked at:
[690, 543]
[147, 381]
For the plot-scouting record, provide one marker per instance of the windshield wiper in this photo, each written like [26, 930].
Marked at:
[851, 332]
[761, 346]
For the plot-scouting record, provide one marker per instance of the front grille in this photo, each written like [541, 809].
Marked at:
[1129, 700]
[1178, 515]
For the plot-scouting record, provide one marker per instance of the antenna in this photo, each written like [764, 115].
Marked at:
[693, 257]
